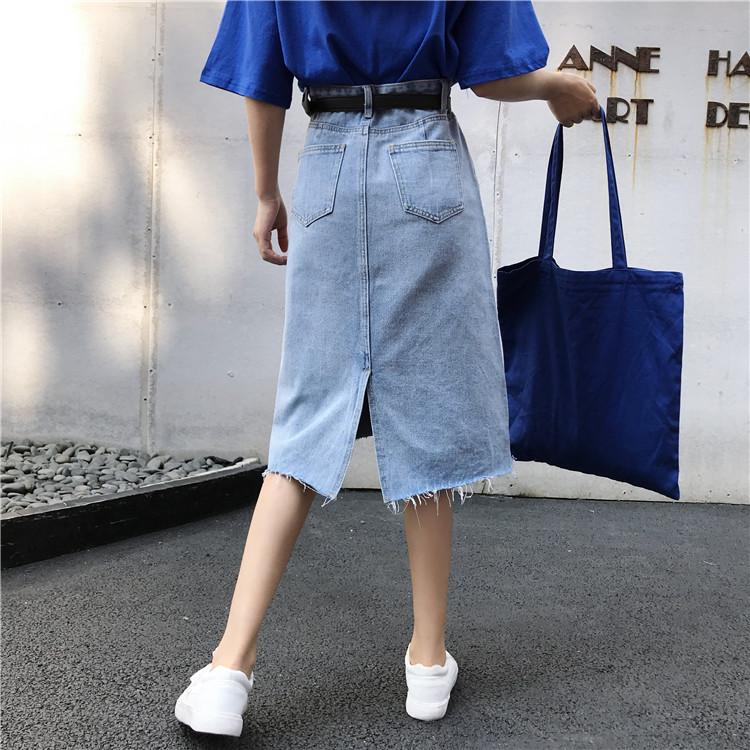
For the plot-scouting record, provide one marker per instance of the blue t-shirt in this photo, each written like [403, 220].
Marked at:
[260, 46]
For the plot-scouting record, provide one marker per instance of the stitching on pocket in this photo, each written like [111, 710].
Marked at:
[320, 148]
[450, 201]
[312, 200]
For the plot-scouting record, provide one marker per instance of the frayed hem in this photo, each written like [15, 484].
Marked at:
[464, 491]
[327, 498]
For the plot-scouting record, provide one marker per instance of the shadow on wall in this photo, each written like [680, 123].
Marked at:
[137, 311]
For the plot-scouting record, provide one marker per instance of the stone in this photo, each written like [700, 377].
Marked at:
[156, 462]
[19, 487]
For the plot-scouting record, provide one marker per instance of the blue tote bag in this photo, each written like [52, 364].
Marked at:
[593, 359]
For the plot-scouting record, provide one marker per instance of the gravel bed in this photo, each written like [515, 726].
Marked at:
[35, 474]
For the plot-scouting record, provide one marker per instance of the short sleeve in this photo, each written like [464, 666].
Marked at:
[497, 40]
[247, 56]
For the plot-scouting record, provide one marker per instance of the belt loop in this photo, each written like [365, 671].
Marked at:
[445, 95]
[367, 88]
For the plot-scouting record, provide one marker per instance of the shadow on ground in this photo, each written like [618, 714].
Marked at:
[576, 624]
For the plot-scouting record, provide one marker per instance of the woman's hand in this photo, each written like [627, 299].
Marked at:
[571, 98]
[271, 215]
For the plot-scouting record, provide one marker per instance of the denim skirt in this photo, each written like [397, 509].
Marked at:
[390, 327]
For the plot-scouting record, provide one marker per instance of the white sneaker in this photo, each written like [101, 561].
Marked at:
[215, 700]
[429, 688]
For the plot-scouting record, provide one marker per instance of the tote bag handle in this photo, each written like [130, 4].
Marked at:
[552, 197]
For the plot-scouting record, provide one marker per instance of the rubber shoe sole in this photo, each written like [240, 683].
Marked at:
[213, 723]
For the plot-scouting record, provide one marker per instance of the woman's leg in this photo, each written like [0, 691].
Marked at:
[429, 531]
[279, 515]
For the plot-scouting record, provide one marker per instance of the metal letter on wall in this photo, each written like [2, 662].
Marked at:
[741, 68]
[718, 114]
[573, 60]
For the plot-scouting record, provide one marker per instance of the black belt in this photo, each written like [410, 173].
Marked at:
[356, 102]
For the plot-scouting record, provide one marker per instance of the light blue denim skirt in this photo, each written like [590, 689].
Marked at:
[390, 310]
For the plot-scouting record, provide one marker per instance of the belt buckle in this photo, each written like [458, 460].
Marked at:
[306, 102]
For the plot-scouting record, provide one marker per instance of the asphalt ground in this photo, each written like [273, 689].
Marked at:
[575, 624]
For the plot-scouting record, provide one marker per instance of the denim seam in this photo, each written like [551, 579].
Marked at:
[425, 144]
[392, 129]
[407, 126]
[320, 148]
[357, 405]
[364, 299]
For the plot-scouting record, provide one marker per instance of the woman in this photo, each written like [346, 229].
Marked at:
[390, 324]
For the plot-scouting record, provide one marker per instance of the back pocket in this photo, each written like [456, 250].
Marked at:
[428, 178]
[318, 168]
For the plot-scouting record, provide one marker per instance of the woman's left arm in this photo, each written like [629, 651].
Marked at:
[570, 97]
[265, 124]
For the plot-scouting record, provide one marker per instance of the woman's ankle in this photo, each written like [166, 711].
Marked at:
[429, 654]
[245, 663]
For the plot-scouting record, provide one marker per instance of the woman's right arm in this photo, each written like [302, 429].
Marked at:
[265, 126]
[247, 58]
[570, 97]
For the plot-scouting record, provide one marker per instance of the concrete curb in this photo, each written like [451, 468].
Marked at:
[40, 533]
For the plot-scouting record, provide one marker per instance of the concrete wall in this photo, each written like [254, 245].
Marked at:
[138, 312]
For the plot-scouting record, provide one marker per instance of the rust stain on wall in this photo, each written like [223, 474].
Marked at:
[636, 95]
